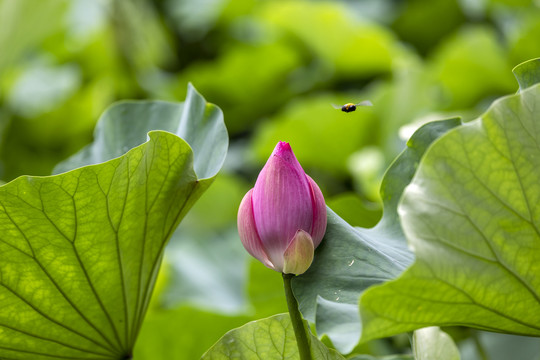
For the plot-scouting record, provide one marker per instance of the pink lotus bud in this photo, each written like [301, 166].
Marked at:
[283, 218]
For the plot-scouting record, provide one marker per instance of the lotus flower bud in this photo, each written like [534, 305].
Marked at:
[283, 218]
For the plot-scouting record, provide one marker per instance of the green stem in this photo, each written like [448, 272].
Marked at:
[296, 319]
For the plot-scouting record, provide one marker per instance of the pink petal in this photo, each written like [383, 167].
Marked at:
[248, 231]
[319, 213]
[282, 202]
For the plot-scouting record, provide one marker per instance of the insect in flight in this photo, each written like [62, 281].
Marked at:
[351, 107]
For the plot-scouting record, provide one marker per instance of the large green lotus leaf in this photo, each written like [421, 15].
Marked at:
[270, 338]
[126, 124]
[471, 215]
[80, 251]
[527, 73]
[350, 259]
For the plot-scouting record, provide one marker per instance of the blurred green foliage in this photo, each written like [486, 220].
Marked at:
[275, 68]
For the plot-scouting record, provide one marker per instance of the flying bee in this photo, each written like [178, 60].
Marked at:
[351, 107]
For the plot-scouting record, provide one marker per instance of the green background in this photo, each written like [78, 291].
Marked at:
[275, 68]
